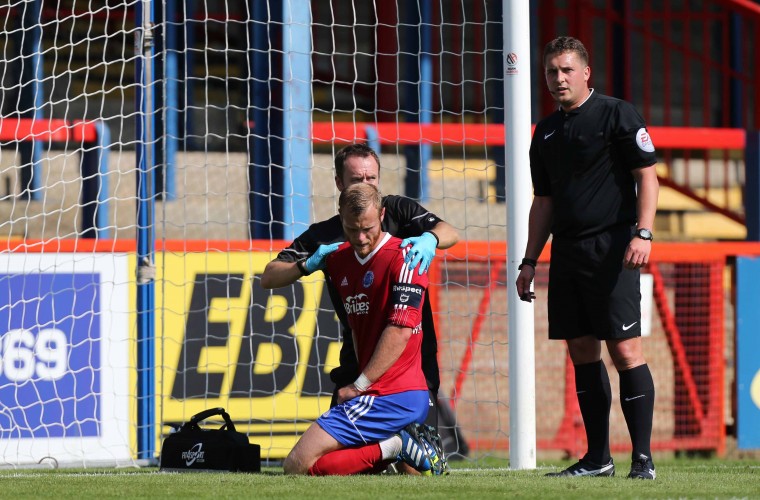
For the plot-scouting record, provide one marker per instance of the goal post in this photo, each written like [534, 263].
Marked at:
[145, 230]
[517, 124]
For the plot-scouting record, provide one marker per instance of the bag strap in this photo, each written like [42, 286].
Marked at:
[211, 412]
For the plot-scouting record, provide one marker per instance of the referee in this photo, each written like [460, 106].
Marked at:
[595, 186]
[405, 219]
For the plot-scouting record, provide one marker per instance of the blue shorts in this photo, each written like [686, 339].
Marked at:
[369, 419]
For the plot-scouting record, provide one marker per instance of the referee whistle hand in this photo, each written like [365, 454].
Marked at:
[318, 259]
[421, 253]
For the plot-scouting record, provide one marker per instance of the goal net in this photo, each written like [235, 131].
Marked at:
[245, 105]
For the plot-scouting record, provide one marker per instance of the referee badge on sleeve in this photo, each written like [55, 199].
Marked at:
[644, 141]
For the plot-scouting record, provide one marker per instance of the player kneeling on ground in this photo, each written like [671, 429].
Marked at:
[404, 218]
[376, 421]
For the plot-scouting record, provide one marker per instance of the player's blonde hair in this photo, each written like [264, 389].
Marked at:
[358, 198]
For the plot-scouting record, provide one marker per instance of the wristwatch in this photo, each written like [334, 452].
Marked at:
[302, 268]
[528, 262]
[644, 234]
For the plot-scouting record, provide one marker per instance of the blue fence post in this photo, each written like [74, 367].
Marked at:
[170, 119]
[189, 23]
[296, 96]
[373, 138]
[752, 185]
[747, 348]
[418, 102]
[30, 102]
[426, 93]
[94, 171]
[146, 198]
[266, 138]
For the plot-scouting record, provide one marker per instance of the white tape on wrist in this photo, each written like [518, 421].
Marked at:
[362, 383]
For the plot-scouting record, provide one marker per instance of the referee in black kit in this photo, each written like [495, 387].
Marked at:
[595, 186]
[405, 219]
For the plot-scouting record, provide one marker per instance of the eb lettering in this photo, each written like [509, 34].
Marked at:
[270, 356]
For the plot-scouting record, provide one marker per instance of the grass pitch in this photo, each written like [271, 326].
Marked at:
[676, 478]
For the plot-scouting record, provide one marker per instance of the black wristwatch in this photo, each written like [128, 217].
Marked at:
[528, 262]
[644, 234]
[302, 268]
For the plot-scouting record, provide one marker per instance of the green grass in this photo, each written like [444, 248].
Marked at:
[677, 478]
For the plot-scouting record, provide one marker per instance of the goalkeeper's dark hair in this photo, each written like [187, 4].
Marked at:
[358, 198]
[563, 44]
[360, 150]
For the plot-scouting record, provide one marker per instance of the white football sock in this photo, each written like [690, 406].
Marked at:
[390, 447]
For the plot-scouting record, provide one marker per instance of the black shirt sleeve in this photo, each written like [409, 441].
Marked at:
[320, 233]
[631, 138]
[405, 217]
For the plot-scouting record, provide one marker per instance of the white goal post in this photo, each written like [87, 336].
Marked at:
[517, 106]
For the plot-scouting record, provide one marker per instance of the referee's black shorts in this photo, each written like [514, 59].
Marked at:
[590, 291]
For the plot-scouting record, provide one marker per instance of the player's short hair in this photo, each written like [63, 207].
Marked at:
[358, 149]
[358, 198]
[563, 44]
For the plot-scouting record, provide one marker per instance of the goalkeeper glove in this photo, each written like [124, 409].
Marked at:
[318, 260]
[422, 251]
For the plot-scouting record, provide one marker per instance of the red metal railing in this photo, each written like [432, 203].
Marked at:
[671, 143]
[47, 130]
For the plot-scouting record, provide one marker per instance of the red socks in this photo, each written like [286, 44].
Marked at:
[366, 459]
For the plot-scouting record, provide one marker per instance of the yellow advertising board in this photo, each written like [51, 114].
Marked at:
[224, 341]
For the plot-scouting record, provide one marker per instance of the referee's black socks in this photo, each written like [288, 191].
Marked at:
[592, 386]
[637, 400]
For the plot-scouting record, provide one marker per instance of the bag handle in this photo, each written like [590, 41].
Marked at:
[200, 417]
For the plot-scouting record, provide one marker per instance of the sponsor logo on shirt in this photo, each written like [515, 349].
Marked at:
[406, 295]
[344, 282]
[406, 289]
[357, 304]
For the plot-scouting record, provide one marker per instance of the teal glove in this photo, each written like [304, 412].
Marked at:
[318, 259]
[422, 251]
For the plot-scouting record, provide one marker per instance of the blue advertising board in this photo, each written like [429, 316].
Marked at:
[64, 357]
[50, 355]
[748, 351]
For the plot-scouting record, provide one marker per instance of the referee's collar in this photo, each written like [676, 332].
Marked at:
[578, 109]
